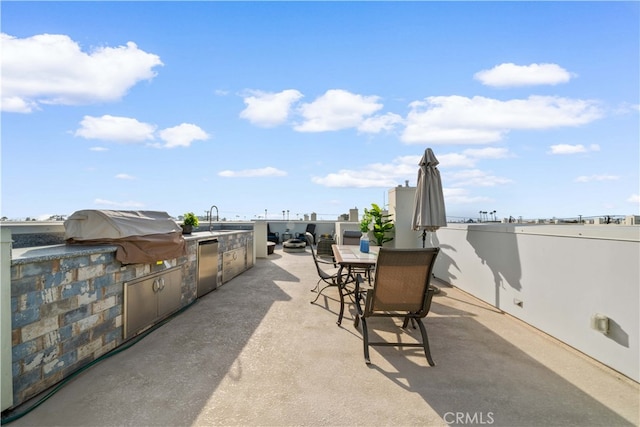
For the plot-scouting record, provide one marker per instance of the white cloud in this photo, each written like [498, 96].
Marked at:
[99, 149]
[509, 75]
[125, 176]
[129, 130]
[479, 120]
[634, 198]
[354, 178]
[15, 104]
[572, 149]
[252, 173]
[374, 175]
[404, 168]
[460, 196]
[53, 69]
[269, 109]
[456, 160]
[474, 178]
[113, 128]
[334, 110]
[110, 203]
[470, 157]
[337, 109]
[182, 135]
[590, 178]
[626, 108]
[377, 124]
[488, 153]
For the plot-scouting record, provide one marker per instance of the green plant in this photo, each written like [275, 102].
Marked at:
[378, 222]
[365, 223]
[190, 219]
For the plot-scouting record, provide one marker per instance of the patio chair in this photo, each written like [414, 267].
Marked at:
[311, 229]
[329, 279]
[272, 237]
[400, 289]
[351, 237]
[323, 248]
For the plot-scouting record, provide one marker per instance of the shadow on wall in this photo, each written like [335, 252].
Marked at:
[499, 251]
[617, 334]
[443, 259]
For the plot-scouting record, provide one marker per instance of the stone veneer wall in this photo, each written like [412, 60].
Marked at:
[67, 312]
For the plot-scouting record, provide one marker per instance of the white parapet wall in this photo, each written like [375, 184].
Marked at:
[260, 239]
[555, 278]
[6, 375]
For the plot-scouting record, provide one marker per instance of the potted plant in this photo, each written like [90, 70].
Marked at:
[189, 221]
[365, 227]
[379, 223]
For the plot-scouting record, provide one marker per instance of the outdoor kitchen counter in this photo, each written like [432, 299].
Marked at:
[69, 305]
[206, 235]
[48, 253]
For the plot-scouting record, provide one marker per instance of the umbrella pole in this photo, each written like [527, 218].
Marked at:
[436, 290]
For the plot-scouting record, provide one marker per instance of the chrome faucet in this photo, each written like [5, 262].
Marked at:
[211, 217]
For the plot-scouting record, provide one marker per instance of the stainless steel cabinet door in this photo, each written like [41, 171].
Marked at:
[141, 306]
[150, 299]
[170, 293]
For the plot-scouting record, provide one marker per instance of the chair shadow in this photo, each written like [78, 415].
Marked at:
[519, 389]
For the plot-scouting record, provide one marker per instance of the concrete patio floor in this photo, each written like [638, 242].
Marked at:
[255, 352]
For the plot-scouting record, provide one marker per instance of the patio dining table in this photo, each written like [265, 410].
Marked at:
[351, 258]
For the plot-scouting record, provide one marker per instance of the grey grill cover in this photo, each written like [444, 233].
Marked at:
[141, 236]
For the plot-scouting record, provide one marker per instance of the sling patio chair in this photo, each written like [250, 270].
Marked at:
[311, 229]
[352, 238]
[400, 290]
[328, 278]
[272, 237]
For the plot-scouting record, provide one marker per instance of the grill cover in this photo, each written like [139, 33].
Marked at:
[141, 236]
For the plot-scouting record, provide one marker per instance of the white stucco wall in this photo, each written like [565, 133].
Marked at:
[562, 275]
[6, 375]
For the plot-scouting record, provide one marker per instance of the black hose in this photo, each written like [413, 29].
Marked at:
[11, 418]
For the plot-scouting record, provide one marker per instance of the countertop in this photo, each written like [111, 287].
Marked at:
[47, 253]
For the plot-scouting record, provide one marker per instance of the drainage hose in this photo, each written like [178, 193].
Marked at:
[11, 417]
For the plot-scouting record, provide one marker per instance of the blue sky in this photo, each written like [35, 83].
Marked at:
[531, 108]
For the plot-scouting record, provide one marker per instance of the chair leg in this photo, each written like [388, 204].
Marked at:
[357, 299]
[425, 342]
[343, 292]
[319, 292]
[365, 341]
[341, 305]
[317, 286]
[356, 320]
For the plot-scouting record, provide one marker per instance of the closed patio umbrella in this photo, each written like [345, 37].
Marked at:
[429, 212]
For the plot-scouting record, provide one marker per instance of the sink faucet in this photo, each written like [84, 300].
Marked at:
[211, 217]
